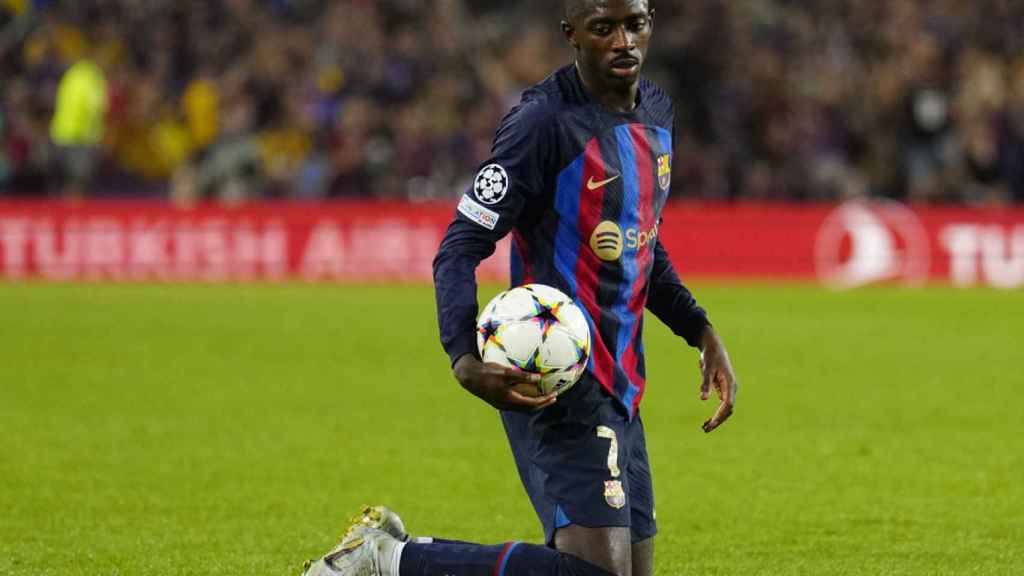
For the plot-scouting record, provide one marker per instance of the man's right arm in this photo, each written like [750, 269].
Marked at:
[503, 187]
[461, 251]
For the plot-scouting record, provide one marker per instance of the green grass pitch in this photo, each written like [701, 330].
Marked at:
[162, 430]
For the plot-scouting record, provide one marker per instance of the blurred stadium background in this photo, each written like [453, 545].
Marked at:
[787, 110]
[164, 427]
[309, 99]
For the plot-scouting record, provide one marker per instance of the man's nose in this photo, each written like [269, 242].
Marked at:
[622, 40]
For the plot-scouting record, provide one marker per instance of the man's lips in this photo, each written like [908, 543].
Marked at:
[625, 63]
[624, 67]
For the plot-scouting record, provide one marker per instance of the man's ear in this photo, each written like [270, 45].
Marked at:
[570, 34]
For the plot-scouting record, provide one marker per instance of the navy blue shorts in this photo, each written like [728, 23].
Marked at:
[584, 462]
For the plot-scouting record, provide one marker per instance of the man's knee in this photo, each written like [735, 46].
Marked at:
[606, 548]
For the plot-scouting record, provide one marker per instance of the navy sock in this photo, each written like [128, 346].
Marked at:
[432, 540]
[512, 559]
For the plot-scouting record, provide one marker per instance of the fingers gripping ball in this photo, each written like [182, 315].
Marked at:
[537, 329]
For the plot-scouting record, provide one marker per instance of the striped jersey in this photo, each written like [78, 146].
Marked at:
[580, 188]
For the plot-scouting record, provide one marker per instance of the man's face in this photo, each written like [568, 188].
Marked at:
[611, 40]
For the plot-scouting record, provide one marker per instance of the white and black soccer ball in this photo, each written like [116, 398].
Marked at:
[491, 184]
[537, 329]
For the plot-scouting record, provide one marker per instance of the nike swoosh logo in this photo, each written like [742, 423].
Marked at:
[591, 185]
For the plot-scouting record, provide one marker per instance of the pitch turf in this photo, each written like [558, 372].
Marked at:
[231, 430]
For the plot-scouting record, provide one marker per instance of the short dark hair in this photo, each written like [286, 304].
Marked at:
[577, 8]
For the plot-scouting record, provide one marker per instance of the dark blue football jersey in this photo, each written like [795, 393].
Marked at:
[581, 189]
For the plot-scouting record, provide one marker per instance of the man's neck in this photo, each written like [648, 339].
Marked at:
[616, 100]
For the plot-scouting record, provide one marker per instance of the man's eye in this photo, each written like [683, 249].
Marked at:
[638, 25]
[602, 29]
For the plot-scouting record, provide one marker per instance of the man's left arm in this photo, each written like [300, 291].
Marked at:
[673, 303]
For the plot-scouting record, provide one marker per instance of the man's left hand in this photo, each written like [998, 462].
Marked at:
[716, 371]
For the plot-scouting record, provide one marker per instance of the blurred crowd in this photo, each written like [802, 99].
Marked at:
[921, 100]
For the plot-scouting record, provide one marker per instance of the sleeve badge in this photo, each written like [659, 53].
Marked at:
[477, 213]
[491, 184]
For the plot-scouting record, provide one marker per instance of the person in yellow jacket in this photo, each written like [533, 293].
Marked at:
[78, 124]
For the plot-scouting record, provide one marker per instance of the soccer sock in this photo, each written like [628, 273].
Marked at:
[432, 540]
[512, 559]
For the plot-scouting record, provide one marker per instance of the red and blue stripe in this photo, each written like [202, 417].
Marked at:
[617, 363]
[503, 556]
[629, 219]
[578, 266]
[567, 205]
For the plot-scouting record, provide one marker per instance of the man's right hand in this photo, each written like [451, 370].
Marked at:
[495, 384]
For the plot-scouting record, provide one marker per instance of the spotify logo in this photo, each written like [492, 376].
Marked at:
[606, 241]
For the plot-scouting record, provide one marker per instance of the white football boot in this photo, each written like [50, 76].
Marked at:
[371, 546]
[364, 552]
[381, 518]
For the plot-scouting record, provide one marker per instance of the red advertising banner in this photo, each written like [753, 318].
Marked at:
[841, 245]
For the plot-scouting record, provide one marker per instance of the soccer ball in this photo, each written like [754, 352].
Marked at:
[537, 329]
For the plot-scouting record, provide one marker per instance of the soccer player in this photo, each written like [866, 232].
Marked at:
[579, 173]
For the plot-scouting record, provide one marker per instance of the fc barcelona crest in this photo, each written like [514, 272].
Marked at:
[664, 171]
[613, 494]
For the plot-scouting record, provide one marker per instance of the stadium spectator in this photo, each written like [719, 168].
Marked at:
[237, 99]
[79, 119]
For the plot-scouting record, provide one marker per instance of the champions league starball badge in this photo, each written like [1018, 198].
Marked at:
[491, 184]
